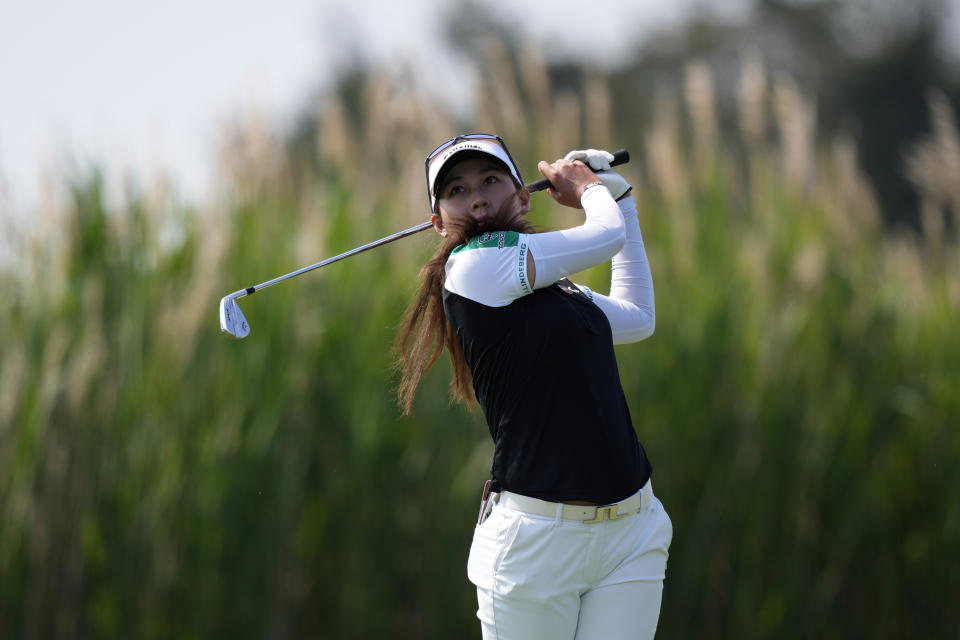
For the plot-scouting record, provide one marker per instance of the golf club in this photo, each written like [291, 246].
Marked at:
[232, 320]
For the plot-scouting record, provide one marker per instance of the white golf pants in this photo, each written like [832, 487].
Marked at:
[550, 578]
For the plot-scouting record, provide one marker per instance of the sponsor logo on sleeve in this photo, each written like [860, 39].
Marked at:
[522, 262]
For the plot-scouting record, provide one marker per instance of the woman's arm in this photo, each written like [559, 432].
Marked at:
[630, 305]
[556, 254]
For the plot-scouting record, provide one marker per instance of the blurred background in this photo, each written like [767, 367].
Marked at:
[797, 169]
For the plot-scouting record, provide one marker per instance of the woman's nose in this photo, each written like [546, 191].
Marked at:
[478, 201]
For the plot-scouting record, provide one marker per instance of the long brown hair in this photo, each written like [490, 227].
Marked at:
[425, 330]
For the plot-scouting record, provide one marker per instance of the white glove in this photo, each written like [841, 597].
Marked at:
[599, 160]
[596, 159]
[615, 182]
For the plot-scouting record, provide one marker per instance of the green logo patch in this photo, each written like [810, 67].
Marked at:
[491, 240]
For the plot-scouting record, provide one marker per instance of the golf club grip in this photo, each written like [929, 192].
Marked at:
[619, 157]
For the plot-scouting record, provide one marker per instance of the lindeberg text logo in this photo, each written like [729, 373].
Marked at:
[524, 285]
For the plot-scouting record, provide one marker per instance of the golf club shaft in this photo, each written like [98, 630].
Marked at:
[619, 157]
[376, 243]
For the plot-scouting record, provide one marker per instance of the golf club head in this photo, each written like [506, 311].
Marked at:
[231, 318]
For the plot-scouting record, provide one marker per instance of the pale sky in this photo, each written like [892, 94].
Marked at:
[145, 87]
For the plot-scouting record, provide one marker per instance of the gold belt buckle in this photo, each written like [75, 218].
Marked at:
[606, 513]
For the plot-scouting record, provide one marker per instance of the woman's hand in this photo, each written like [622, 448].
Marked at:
[569, 179]
[599, 160]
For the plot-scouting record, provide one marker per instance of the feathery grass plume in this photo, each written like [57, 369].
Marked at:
[809, 267]
[336, 143]
[598, 112]
[425, 124]
[952, 266]
[404, 127]
[752, 266]
[663, 149]
[413, 186]
[536, 80]
[933, 165]
[701, 105]
[435, 123]
[669, 162]
[87, 358]
[670, 179]
[845, 195]
[796, 122]
[53, 196]
[51, 373]
[933, 227]
[561, 132]
[184, 315]
[377, 141]
[312, 226]
[904, 284]
[503, 92]
[12, 250]
[46, 247]
[248, 156]
[14, 372]
[752, 99]
[418, 123]
[857, 199]
[376, 146]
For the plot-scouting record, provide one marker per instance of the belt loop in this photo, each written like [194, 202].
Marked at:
[559, 516]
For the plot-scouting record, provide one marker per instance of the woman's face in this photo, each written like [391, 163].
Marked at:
[477, 188]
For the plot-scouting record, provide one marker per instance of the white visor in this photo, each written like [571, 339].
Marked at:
[474, 145]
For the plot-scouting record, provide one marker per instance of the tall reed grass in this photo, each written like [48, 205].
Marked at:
[798, 400]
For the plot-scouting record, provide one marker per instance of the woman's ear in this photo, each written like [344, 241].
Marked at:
[438, 223]
[524, 196]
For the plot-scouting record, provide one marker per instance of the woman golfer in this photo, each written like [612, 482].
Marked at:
[571, 543]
